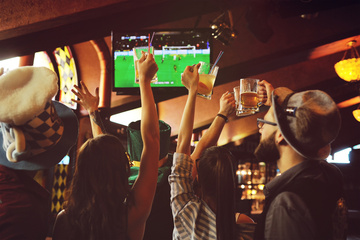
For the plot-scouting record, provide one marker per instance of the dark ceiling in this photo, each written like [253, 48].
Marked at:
[292, 43]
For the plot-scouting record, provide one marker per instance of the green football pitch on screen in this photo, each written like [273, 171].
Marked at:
[170, 69]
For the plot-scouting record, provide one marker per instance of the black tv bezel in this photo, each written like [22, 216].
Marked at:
[165, 92]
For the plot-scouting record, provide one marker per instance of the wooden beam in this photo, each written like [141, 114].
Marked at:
[98, 23]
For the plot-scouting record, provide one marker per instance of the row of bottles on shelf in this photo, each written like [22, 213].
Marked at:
[251, 179]
[254, 173]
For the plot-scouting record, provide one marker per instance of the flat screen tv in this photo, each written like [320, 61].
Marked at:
[173, 51]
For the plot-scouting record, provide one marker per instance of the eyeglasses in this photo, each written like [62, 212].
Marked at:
[261, 122]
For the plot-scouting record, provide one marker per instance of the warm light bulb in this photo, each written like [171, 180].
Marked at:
[356, 114]
[348, 69]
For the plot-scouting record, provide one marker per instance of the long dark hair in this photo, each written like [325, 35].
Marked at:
[95, 203]
[217, 181]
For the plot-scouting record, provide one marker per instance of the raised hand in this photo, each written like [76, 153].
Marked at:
[264, 92]
[90, 103]
[190, 77]
[86, 99]
[147, 67]
[227, 104]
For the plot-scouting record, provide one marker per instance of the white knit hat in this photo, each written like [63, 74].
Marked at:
[35, 129]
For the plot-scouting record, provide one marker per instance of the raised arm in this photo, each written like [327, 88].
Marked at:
[143, 190]
[90, 103]
[190, 79]
[211, 136]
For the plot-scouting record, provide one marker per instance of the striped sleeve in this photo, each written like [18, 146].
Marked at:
[180, 181]
[193, 219]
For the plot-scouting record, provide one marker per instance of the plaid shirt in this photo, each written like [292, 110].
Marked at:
[193, 218]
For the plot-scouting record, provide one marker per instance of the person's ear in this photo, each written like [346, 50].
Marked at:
[279, 138]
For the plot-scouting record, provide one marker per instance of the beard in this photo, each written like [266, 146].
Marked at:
[267, 151]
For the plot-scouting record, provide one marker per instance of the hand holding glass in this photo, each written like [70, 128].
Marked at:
[207, 76]
[248, 100]
[137, 55]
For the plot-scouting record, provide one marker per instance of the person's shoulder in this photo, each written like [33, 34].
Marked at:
[289, 215]
[61, 214]
[61, 226]
[331, 168]
[329, 174]
[288, 209]
[61, 219]
[288, 200]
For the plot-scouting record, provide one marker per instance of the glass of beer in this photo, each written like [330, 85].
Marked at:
[137, 55]
[207, 76]
[248, 102]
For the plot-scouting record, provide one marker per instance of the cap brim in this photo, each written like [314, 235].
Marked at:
[55, 154]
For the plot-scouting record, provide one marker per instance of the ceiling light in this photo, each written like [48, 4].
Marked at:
[224, 34]
[356, 114]
[223, 29]
[349, 67]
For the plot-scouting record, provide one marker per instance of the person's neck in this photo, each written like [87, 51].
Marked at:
[288, 159]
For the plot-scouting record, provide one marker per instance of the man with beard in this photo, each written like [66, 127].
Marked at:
[305, 201]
